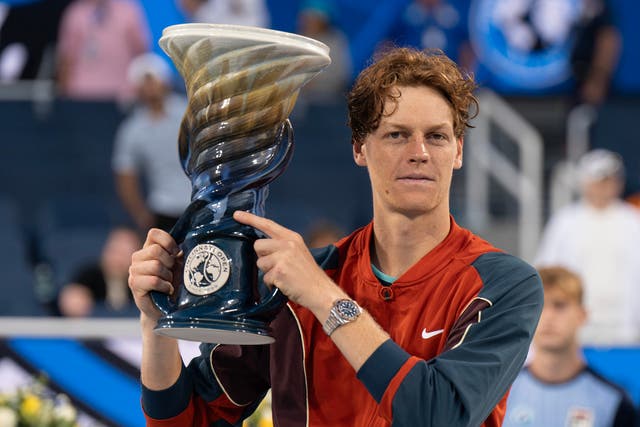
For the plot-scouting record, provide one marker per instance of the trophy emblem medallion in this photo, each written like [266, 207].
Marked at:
[206, 269]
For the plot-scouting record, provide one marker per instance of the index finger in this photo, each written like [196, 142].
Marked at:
[162, 238]
[271, 228]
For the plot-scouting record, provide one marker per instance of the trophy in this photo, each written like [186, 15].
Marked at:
[235, 138]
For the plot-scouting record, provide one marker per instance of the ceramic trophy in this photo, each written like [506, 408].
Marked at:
[235, 138]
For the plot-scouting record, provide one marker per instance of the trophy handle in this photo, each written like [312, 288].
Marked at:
[269, 305]
[179, 231]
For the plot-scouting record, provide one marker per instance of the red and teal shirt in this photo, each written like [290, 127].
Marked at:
[460, 323]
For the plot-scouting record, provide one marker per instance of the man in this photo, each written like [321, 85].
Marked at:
[446, 318]
[597, 238]
[146, 149]
[558, 388]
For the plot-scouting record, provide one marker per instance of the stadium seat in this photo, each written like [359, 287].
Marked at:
[69, 249]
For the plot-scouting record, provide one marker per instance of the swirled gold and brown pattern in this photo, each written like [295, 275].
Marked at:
[242, 84]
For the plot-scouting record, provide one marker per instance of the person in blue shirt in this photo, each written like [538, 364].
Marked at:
[557, 387]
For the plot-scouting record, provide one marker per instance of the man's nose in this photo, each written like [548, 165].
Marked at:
[418, 149]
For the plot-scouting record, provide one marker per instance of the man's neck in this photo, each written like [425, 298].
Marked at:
[399, 241]
[557, 367]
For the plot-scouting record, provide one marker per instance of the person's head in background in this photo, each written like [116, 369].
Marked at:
[315, 17]
[563, 313]
[323, 233]
[150, 75]
[601, 175]
[116, 255]
[78, 299]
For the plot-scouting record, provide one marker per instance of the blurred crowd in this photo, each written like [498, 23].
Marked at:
[103, 51]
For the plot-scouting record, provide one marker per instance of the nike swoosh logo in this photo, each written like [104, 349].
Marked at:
[428, 334]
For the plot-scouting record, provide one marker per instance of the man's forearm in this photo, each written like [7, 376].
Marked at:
[161, 361]
[356, 340]
[130, 194]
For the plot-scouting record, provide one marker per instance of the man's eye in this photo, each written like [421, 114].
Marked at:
[394, 135]
[438, 138]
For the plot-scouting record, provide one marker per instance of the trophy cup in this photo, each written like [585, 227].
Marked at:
[235, 138]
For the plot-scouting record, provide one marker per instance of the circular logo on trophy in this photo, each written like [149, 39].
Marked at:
[206, 269]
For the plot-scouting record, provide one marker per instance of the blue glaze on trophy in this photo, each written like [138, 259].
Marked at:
[235, 138]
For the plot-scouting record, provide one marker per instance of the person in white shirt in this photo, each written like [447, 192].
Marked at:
[597, 237]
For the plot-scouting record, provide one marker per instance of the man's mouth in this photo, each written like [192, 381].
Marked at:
[416, 178]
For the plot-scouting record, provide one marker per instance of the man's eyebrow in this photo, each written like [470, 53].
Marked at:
[399, 126]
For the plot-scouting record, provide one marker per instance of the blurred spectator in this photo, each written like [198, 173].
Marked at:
[323, 233]
[558, 388]
[436, 24]
[597, 237]
[316, 19]
[146, 148]
[233, 12]
[595, 52]
[105, 281]
[98, 39]
[25, 53]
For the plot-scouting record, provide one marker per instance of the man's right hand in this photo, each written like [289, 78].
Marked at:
[153, 269]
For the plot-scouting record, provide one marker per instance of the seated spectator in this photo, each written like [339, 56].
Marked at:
[597, 237]
[146, 149]
[97, 41]
[558, 388]
[254, 13]
[103, 282]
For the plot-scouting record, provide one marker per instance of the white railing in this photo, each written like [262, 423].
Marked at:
[523, 182]
[62, 327]
[563, 189]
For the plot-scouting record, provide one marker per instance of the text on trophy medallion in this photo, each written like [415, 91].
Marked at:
[206, 269]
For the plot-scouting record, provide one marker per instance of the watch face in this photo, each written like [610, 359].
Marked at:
[348, 309]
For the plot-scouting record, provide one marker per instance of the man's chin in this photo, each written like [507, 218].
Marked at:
[552, 346]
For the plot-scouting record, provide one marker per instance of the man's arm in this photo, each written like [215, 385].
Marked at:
[172, 394]
[152, 270]
[458, 388]
[126, 163]
[130, 193]
[484, 353]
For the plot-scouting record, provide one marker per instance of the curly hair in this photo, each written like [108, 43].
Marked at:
[409, 67]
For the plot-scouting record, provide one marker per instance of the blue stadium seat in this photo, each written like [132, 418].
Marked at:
[69, 249]
[72, 211]
[17, 285]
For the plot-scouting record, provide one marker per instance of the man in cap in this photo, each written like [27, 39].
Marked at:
[147, 147]
[597, 238]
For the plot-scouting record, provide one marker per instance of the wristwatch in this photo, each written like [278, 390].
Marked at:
[342, 312]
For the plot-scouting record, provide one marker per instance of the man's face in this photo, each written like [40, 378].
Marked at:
[602, 192]
[152, 90]
[412, 154]
[559, 323]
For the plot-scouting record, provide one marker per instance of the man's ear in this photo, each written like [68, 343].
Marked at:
[457, 162]
[359, 154]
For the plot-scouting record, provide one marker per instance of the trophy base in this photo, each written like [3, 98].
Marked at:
[219, 331]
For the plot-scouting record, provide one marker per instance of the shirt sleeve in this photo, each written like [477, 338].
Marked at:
[139, 33]
[125, 158]
[486, 349]
[204, 396]
[69, 37]
[626, 415]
